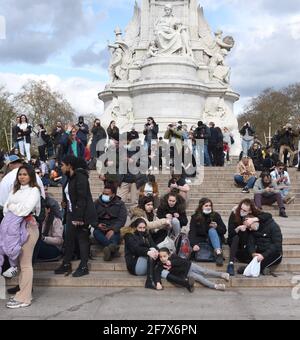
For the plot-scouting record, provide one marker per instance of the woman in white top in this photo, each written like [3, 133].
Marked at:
[23, 201]
[23, 137]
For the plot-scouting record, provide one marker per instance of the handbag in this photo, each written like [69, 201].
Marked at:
[168, 243]
[205, 254]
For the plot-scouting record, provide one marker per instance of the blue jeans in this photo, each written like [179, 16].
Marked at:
[203, 153]
[214, 238]
[240, 181]
[246, 145]
[104, 241]
[284, 193]
[141, 266]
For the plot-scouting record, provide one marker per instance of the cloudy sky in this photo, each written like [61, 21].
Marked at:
[64, 42]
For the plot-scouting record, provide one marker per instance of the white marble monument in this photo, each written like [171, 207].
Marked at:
[169, 65]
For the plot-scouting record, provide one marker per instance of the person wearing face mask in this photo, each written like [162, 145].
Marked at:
[282, 177]
[112, 216]
[83, 131]
[80, 214]
[207, 226]
[140, 251]
[265, 243]
[238, 233]
[267, 192]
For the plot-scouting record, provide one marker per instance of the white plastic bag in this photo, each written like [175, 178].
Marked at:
[253, 269]
[167, 243]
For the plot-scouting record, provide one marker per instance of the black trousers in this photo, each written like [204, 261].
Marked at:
[270, 261]
[238, 250]
[73, 234]
[42, 152]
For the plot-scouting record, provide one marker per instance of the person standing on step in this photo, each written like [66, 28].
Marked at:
[23, 201]
[111, 217]
[248, 133]
[24, 137]
[140, 251]
[266, 192]
[82, 131]
[80, 214]
[238, 233]
[208, 227]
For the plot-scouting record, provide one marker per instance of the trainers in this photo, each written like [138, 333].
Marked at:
[290, 200]
[14, 304]
[245, 191]
[220, 260]
[230, 269]
[81, 271]
[11, 272]
[220, 287]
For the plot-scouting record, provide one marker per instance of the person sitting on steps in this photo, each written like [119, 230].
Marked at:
[266, 192]
[207, 226]
[184, 273]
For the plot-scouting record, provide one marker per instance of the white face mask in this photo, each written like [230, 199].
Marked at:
[243, 214]
[207, 211]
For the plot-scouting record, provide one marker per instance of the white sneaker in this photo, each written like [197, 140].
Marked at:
[11, 273]
[13, 304]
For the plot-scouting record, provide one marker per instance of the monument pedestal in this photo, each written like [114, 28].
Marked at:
[169, 88]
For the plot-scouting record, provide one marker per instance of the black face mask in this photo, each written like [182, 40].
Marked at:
[142, 233]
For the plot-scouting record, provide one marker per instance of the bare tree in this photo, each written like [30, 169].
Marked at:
[271, 106]
[7, 115]
[42, 105]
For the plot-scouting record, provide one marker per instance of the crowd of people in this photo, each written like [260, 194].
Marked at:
[161, 240]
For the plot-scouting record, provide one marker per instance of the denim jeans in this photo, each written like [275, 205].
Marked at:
[203, 153]
[104, 241]
[246, 145]
[141, 266]
[214, 238]
[240, 181]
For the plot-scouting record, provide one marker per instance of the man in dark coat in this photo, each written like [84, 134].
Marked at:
[111, 217]
[83, 131]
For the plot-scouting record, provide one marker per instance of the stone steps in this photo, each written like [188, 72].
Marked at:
[123, 279]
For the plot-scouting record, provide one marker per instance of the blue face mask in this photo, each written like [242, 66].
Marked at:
[105, 198]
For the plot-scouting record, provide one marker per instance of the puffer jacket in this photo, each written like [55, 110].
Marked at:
[136, 246]
[267, 240]
[13, 235]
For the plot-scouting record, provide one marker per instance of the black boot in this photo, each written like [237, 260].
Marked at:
[64, 269]
[188, 283]
[150, 283]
